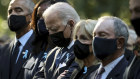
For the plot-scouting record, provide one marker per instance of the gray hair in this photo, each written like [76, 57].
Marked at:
[120, 28]
[65, 12]
[29, 4]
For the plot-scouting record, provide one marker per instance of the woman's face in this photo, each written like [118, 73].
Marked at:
[84, 39]
[42, 8]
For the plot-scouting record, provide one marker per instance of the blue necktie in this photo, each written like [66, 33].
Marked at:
[59, 56]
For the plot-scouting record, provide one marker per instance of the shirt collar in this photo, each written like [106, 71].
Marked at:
[71, 44]
[24, 38]
[111, 65]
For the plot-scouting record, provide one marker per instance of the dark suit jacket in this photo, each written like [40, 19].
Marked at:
[118, 70]
[52, 71]
[34, 64]
[129, 55]
[133, 70]
[78, 72]
[5, 60]
[40, 74]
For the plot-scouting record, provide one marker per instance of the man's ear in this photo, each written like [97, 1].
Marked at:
[120, 42]
[71, 23]
[29, 17]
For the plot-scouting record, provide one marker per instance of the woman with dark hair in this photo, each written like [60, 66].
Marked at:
[42, 44]
[41, 39]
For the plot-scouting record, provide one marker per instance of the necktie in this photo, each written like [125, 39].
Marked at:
[60, 55]
[14, 57]
[100, 73]
[15, 54]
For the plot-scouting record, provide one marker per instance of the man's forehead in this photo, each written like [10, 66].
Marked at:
[17, 3]
[51, 17]
[105, 24]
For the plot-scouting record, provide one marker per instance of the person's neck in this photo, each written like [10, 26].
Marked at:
[111, 58]
[89, 61]
[23, 31]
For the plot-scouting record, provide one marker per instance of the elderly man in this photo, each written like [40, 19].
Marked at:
[17, 52]
[133, 70]
[60, 19]
[109, 40]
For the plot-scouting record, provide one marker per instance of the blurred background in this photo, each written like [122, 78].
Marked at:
[87, 9]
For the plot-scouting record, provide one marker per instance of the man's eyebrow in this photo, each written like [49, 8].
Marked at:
[18, 8]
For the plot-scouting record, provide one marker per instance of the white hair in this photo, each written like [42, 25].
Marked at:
[64, 10]
[132, 38]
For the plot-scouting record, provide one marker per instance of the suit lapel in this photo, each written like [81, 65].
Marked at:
[93, 74]
[28, 46]
[117, 72]
[71, 53]
[6, 58]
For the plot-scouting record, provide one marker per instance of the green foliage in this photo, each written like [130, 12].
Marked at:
[87, 9]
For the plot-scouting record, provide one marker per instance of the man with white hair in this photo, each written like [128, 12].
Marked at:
[60, 19]
[15, 54]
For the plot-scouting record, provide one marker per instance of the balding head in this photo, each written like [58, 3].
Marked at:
[116, 27]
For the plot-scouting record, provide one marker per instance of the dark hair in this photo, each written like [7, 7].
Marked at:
[40, 43]
[55, 1]
[36, 17]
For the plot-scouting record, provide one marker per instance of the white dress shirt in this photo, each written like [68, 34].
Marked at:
[108, 68]
[23, 40]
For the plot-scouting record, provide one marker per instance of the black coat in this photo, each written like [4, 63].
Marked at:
[78, 72]
[52, 71]
[18, 71]
[133, 70]
[34, 64]
[129, 55]
[117, 71]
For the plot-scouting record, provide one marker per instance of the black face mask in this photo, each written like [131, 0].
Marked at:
[41, 28]
[17, 22]
[136, 25]
[59, 40]
[81, 51]
[104, 47]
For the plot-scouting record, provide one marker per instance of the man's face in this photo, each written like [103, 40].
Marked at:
[134, 8]
[17, 7]
[55, 25]
[104, 29]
